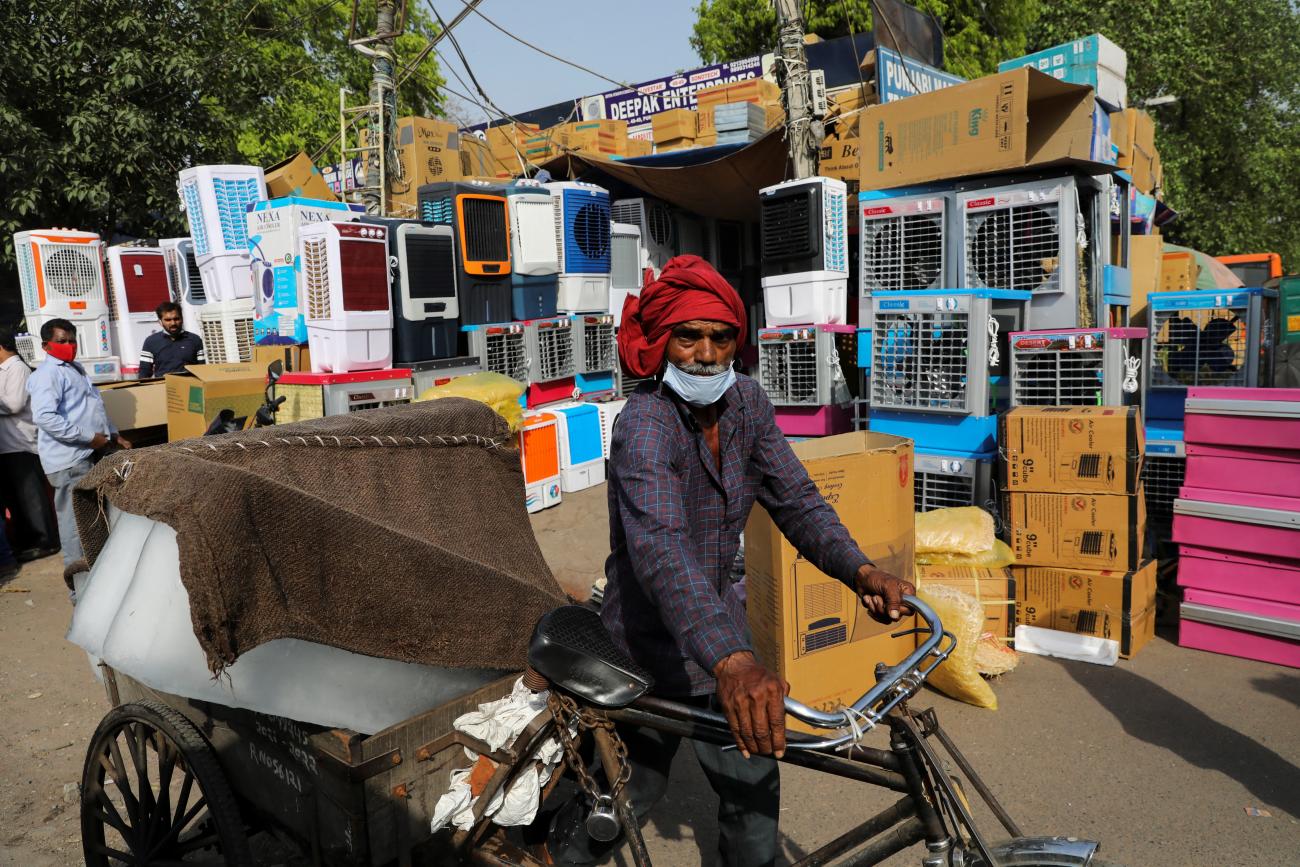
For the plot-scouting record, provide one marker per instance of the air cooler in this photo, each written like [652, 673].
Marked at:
[945, 481]
[422, 276]
[582, 223]
[61, 276]
[655, 221]
[216, 201]
[316, 395]
[595, 353]
[1164, 466]
[609, 410]
[227, 331]
[477, 213]
[801, 366]
[551, 361]
[534, 250]
[582, 457]
[1076, 367]
[138, 283]
[905, 243]
[1210, 337]
[500, 348]
[430, 374]
[625, 271]
[1039, 237]
[274, 227]
[539, 452]
[186, 281]
[349, 310]
[625, 384]
[805, 261]
[934, 355]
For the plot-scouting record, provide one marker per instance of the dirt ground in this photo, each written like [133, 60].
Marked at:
[1159, 757]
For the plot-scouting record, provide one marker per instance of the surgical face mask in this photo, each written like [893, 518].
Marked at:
[695, 389]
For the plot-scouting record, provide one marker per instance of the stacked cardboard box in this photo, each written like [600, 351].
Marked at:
[640, 147]
[1093, 60]
[839, 152]
[429, 151]
[675, 129]
[1076, 516]
[1134, 135]
[506, 142]
[297, 176]
[1178, 272]
[994, 588]
[756, 90]
[601, 137]
[1145, 255]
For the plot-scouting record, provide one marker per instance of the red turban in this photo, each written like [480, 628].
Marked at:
[688, 288]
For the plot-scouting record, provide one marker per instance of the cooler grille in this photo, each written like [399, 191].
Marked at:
[438, 210]
[363, 267]
[1205, 347]
[505, 353]
[599, 352]
[787, 230]
[787, 370]
[147, 290]
[939, 490]
[71, 270]
[486, 235]
[554, 354]
[430, 266]
[233, 196]
[194, 213]
[315, 272]
[194, 278]
[625, 263]
[1162, 478]
[27, 277]
[1018, 247]
[215, 348]
[902, 252]
[920, 360]
[1058, 378]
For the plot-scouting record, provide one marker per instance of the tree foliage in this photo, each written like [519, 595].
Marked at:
[102, 104]
[976, 34]
[1230, 145]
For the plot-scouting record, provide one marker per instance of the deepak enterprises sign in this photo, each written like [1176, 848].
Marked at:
[636, 105]
[898, 77]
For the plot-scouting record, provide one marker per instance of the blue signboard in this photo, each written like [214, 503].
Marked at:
[898, 77]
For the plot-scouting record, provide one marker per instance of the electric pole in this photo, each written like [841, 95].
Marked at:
[383, 93]
[795, 80]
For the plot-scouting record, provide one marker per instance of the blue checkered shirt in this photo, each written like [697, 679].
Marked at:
[675, 521]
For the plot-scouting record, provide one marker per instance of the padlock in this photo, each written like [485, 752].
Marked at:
[602, 824]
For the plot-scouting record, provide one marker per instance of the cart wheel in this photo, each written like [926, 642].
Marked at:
[152, 793]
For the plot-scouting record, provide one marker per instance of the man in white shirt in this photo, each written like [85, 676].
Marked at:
[22, 481]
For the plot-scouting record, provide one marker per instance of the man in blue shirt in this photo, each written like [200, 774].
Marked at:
[73, 428]
[171, 349]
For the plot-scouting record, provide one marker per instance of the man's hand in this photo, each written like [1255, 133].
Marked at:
[122, 441]
[99, 441]
[753, 700]
[882, 593]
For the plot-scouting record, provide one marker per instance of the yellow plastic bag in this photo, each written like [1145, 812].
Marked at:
[963, 616]
[998, 556]
[963, 530]
[495, 389]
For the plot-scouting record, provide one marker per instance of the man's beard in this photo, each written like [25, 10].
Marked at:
[703, 369]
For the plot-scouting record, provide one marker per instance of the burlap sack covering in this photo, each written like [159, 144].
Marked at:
[398, 533]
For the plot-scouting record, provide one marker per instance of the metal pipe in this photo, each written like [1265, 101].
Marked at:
[890, 843]
[610, 761]
[883, 821]
[973, 778]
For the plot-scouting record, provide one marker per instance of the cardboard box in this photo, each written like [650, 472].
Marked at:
[676, 123]
[997, 123]
[134, 405]
[839, 159]
[477, 160]
[994, 588]
[292, 356]
[758, 90]
[1072, 449]
[507, 139]
[707, 139]
[1093, 60]
[639, 147]
[1078, 531]
[1178, 272]
[1119, 605]
[808, 627]
[273, 226]
[297, 176]
[429, 150]
[1133, 133]
[676, 144]
[607, 137]
[1145, 253]
[196, 398]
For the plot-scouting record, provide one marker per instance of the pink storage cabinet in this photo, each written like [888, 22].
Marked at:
[1275, 472]
[1262, 418]
[1201, 568]
[1256, 524]
[1240, 626]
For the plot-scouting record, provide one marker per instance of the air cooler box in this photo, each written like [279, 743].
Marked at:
[534, 250]
[805, 261]
[583, 227]
[315, 395]
[1076, 367]
[422, 265]
[1210, 337]
[346, 289]
[582, 457]
[138, 283]
[539, 452]
[61, 276]
[478, 214]
[1041, 237]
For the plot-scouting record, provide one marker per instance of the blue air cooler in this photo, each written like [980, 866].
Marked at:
[582, 451]
[534, 273]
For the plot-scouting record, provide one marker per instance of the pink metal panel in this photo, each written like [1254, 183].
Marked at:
[1202, 568]
[1274, 472]
[1235, 642]
[1272, 529]
[1218, 422]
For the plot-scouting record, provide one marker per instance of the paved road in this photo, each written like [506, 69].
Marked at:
[1158, 757]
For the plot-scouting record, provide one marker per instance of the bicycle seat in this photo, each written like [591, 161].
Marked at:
[572, 650]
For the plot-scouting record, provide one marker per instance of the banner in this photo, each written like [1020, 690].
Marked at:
[899, 77]
[638, 104]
